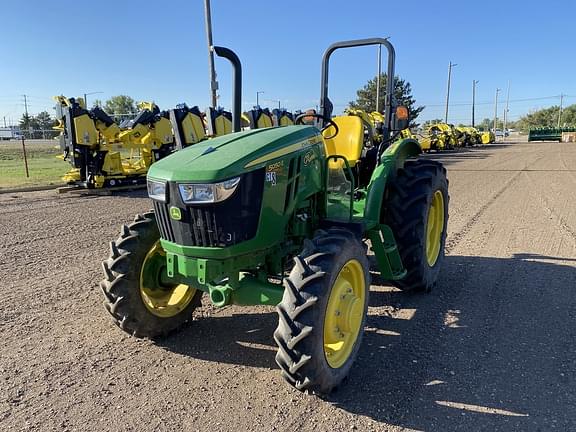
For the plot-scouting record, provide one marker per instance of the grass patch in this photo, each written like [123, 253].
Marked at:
[44, 167]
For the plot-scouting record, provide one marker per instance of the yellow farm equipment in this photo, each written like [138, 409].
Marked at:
[103, 154]
[439, 136]
[106, 154]
[373, 126]
[487, 137]
[469, 136]
[444, 136]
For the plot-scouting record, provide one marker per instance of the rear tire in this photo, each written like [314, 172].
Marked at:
[319, 334]
[124, 291]
[408, 203]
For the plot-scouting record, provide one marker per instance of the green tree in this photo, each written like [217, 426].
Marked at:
[30, 127]
[44, 120]
[548, 117]
[36, 127]
[569, 116]
[120, 105]
[366, 97]
[97, 103]
[44, 123]
[488, 124]
[26, 122]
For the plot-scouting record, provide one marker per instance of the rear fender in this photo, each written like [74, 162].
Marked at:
[392, 159]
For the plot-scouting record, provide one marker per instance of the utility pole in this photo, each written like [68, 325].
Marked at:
[212, 69]
[258, 93]
[25, 106]
[450, 66]
[496, 110]
[506, 111]
[379, 72]
[86, 98]
[275, 100]
[560, 111]
[29, 129]
[474, 82]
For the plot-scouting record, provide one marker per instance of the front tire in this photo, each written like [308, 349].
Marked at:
[416, 208]
[136, 293]
[323, 312]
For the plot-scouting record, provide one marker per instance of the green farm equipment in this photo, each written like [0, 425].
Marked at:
[283, 216]
[548, 133]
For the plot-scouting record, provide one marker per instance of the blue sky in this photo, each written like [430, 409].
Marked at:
[157, 51]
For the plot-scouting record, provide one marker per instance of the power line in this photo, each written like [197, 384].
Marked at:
[491, 103]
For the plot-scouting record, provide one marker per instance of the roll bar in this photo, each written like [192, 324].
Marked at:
[325, 106]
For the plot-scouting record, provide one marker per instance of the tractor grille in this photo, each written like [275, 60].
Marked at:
[214, 225]
[163, 221]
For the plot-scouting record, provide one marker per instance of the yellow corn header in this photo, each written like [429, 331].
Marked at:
[444, 136]
[104, 153]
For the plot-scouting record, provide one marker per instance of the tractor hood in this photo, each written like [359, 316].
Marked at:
[231, 155]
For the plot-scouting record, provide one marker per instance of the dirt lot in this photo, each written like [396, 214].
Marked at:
[493, 348]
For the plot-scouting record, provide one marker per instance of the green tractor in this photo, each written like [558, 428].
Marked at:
[283, 216]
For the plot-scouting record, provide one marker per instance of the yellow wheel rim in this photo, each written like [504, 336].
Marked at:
[435, 228]
[162, 299]
[344, 314]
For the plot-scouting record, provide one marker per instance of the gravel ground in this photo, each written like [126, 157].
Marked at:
[491, 349]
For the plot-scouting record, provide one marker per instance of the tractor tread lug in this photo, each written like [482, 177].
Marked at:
[114, 252]
[302, 266]
[303, 333]
[124, 231]
[296, 366]
[303, 385]
[308, 303]
[107, 271]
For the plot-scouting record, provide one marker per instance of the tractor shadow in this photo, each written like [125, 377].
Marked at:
[481, 349]
[450, 157]
[462, 154]
[134, 193]
[223, 336]
[486, 347]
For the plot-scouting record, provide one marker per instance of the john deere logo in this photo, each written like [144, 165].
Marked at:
[175, 213]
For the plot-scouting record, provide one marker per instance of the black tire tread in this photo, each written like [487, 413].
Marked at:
[299, 336]
[405, 210]
[121, 279]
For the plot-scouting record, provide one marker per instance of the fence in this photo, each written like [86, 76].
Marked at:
[44, 134]
[17, 134]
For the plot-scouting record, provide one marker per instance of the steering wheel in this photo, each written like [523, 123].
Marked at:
[329, 122]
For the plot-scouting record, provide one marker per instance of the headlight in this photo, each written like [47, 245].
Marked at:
[157, 190]
[208, 193]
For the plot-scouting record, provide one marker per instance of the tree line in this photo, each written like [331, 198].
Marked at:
[123, 105]
[39, 126]
[548, 117]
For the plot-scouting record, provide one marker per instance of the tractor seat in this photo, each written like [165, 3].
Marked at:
[349, 140]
